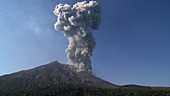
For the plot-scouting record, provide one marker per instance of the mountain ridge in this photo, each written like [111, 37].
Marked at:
[55, 79]
[58, 74]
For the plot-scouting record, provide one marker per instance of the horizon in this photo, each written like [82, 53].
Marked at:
[132, 41]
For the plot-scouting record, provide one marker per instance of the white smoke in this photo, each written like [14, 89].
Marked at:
[75, 23]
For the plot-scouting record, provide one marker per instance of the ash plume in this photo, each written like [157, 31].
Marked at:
[76, 22]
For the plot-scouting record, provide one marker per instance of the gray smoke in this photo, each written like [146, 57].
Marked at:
[75, 23]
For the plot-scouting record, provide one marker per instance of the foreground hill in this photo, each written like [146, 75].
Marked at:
[55, 79]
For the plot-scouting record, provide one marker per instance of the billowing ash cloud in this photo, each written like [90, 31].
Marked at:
[75, 23]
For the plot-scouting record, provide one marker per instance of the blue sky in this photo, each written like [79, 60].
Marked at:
[133, 41]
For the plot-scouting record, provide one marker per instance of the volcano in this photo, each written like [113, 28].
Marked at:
[55, 79]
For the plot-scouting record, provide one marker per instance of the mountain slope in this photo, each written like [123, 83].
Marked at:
[53, 74]
[55, 79]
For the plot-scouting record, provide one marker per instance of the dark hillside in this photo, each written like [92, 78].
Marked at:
[55, 79]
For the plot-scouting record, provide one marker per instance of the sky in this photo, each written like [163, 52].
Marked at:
[133, 40]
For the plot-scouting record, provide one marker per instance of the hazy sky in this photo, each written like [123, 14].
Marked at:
[133, 42]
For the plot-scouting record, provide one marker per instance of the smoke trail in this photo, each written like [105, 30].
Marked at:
[75, 23]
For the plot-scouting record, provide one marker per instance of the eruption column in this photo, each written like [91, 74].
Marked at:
[75, 23]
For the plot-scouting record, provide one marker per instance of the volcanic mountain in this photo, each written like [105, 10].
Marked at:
[53, 74]
[55, 79]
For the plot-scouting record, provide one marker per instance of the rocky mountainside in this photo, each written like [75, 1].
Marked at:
[55, 79]
[52, 74]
